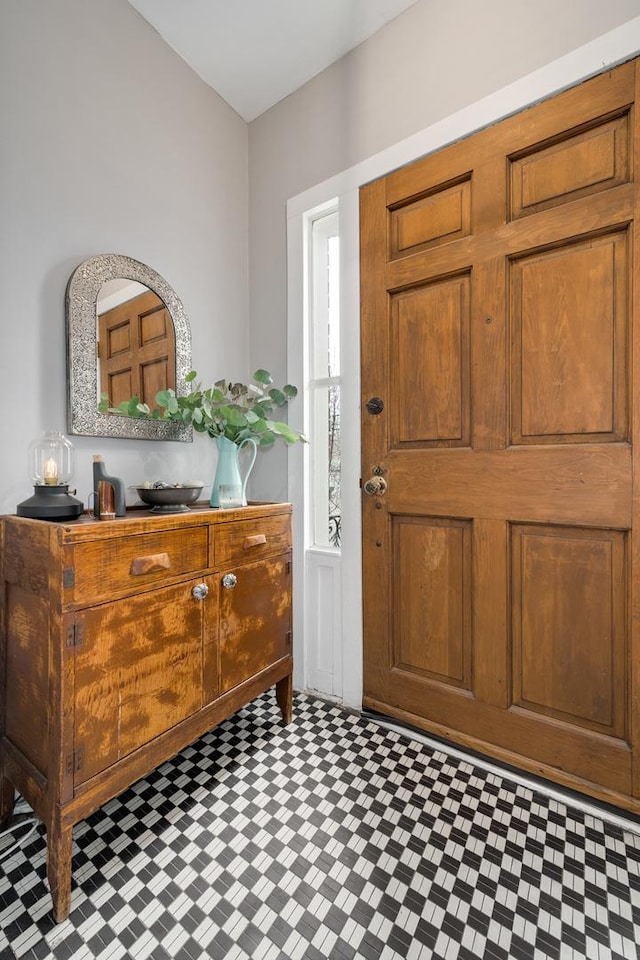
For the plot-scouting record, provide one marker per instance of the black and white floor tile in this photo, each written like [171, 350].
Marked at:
[332, 838]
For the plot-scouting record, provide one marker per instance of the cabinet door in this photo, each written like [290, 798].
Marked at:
[138, 672]
[255, 618]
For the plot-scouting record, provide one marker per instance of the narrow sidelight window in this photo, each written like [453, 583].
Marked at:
[324, 380]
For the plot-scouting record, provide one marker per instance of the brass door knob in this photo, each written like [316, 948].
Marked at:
[375, 487]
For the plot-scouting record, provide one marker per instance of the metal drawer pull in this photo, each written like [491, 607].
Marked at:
[256, 541]
[229, 581]
[200, 591]
[151, 564]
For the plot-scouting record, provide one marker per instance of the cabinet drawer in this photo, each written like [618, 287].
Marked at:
[246, 540]
[103, 568]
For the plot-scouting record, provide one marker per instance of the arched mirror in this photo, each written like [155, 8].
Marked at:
[127, 334]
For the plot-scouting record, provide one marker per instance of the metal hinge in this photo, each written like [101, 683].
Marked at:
[68, 577]
[75, 759]
[288, 566]
[75, 634]
[289, 638]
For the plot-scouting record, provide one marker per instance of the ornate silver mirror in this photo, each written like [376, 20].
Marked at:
[127, 334]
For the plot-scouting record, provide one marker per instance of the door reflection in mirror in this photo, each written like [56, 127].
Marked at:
[135, 342]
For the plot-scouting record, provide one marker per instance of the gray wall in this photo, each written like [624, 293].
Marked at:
[109, 143]
[433, 60]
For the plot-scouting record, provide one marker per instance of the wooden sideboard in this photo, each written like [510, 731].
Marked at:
[123, 641]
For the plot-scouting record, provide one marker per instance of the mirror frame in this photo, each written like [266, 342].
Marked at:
[82, 370]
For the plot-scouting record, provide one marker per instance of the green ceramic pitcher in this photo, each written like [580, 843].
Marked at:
[229, 484]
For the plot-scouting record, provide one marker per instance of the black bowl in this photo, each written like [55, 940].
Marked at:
[169, 499]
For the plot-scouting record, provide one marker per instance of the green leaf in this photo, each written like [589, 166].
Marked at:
[135, 408]
[290, 391]
[278, 397]
[288, 434]
[263, 407]
[263, 376]
[190, 377]
[162, 397]
[234, 415]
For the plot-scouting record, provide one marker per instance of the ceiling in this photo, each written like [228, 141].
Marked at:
[256, 52]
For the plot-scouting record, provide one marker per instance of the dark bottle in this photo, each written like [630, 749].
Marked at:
[100, 474]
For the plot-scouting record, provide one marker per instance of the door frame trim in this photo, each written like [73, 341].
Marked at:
[597, 56]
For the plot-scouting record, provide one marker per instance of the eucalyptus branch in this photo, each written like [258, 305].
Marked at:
[226, 409]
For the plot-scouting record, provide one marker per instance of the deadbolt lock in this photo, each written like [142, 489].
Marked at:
[375, 487]
[375, 406]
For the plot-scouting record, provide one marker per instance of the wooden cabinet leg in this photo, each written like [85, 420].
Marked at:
[59, 844]
[284, 696]
[7, 798]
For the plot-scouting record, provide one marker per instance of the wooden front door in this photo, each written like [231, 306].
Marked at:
[136, 347]
[497, 330]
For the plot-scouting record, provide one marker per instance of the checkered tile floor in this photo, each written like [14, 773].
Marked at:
[329, 838]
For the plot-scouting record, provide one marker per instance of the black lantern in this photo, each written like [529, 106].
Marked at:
[50, 467]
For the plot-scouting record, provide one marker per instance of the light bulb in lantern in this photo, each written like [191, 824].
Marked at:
[50, 472]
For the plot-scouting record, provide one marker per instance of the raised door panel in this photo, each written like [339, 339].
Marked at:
[439, 216]
[138, 672]
[580, 164]
[569, 333]
[569, 625]
[154, 323]
[255, 619]
[432, 599]
[430, 364]
[153, 379]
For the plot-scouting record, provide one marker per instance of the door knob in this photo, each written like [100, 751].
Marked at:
[229, 581]
[200, 591]
[375, 487]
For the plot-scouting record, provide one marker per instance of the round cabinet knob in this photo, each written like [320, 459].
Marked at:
[200, 591]
[229, 581]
